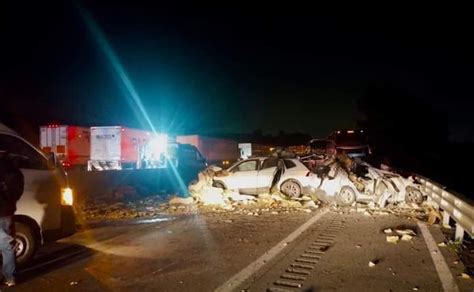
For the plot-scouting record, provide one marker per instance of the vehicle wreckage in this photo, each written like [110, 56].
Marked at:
[338, 179]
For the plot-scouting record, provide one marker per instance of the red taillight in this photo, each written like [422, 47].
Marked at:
[66, 164]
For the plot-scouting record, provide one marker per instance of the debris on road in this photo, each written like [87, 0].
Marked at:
[406, 237]
[392, 239]
[373, 263]
[409, 232]
[181, 201]
[388, 231]
[465, 276]
[433, 215]
[442, 244]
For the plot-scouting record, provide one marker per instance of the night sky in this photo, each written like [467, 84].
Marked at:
[233, 70]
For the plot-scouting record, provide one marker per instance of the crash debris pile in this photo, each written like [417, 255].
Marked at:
[424, 212]
[203, 198]
[106, 209]
[208, 198]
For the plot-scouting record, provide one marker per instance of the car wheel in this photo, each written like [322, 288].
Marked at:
[413, 195]
[346, 196]
[291, 188]
[25, 243]
[218, 185]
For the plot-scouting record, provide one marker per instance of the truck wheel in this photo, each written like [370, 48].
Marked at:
[413, 195]
[291, 188]
[346, 196]
[26, 243]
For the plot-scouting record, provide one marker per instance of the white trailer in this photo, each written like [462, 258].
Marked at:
[106, 151]
[117, 148]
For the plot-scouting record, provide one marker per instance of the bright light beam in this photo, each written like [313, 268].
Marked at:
[132, 96]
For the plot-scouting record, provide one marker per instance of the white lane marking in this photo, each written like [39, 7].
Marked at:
[444, 273]
[251, 269]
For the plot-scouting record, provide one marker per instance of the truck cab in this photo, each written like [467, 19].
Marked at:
[45, 210]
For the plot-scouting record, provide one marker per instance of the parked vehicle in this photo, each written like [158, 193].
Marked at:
[116, 147]
[352, 142]
[188, 161]
[70, 144]
[45, 210]
[261, 174]
[374, 185]
[218, 151]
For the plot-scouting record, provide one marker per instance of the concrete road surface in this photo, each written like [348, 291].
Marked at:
[318, 251]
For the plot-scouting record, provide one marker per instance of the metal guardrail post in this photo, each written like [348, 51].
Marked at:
[452, 206]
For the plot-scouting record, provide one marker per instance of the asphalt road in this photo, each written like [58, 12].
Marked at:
[204, 252]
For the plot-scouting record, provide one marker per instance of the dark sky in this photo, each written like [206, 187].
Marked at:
[198, 69]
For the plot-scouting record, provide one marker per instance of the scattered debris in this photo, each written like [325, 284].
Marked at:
[406, 237]
[405, 232]
[416, 288]
[374, 262]
[392, 239]
[181, 201]
[433, 215]
[465, 276]
[388, 231]
[442, 244]
[73, 283]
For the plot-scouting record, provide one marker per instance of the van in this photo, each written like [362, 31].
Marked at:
[45, 210]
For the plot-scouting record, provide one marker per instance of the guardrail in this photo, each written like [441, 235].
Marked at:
[452, 207]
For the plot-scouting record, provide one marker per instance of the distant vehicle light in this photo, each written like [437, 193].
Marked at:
[339, 132]
[67, 198]
[158, 145]
[350, 132]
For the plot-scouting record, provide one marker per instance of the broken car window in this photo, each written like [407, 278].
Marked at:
[289, 164]
[246, 166]
[270, 162]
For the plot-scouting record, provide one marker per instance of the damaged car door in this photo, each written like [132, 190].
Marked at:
[266, 174]
[244, 176]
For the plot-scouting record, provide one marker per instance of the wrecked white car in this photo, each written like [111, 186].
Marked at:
[344, 187]
[262, 174]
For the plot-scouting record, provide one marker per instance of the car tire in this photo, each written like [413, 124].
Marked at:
[26, 243]
[291, 188]
[219, 185]
[413, 195]
[346, 196]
